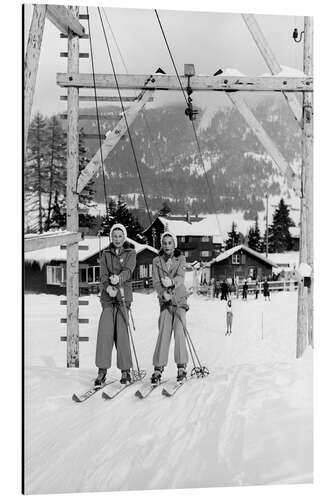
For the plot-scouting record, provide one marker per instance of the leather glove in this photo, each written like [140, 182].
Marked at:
[112, 291]
[114, 279]
[166, 282]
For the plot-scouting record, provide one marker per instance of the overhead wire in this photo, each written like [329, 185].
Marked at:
[194, 130]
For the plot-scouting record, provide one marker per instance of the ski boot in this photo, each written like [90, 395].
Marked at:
[100, 379]
[181, 373]
[125, 377]
[156, 376]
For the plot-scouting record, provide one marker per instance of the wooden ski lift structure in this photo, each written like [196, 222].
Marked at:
[67, 20]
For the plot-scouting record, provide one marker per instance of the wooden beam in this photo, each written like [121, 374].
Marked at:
[198, 83]
[104, 98]
[111, 141]
[38, 241]
[305, 294]
[31, 62]
[64, 116]
[72, 218]
[64, 20]
[265, 140]
[271, 61]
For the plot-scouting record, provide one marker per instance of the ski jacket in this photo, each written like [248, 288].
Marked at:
[175, 270]
[123, 265]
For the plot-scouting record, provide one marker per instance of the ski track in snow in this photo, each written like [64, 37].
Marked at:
[249, 422]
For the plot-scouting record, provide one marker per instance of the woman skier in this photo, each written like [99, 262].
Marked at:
[117, 265]
[168, 281]
[229, 316]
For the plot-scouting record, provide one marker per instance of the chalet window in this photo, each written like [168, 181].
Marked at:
[182, 239]
[235, 258]
[83, 274]
[150, 270]
[243, 258]
[55, 275]
[145, 270]
[205, 253]
[97, 274]
[205, 238]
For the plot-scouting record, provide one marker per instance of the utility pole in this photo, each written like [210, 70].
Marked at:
[305, 295]
[266, 225]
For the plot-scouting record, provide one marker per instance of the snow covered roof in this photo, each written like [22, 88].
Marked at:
[235, 249]
[93, 242]
[286, 259]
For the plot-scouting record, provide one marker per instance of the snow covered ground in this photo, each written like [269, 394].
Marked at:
[248, 423]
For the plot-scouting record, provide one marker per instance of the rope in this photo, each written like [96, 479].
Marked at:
[194, 131]
[124, 114]
[97, 115]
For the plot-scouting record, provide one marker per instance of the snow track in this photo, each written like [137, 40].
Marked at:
[248, 422]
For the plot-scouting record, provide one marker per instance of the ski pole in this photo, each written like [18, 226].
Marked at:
[130, 310]
[129, 330]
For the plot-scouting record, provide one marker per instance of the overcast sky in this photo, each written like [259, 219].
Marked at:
[209, 40]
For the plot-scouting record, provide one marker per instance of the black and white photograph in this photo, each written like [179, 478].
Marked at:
[168, 263]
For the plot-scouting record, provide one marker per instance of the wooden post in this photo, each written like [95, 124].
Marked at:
[305, 296]
[72, 280]
[31, 62]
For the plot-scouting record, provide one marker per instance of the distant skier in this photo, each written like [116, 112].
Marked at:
[224, 290]
[168, 281]
[245, 289]
[117, 265]
[229, 316]
[216, 289]
[267, 293]
[256, 290]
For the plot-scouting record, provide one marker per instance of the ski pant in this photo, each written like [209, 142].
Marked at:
[171, 319]
[224, 296]
[229, 320]
[112, 329]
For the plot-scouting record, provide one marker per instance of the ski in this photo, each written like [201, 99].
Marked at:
[171, 390]
[80, 398]
[119, 388]
[146, 390]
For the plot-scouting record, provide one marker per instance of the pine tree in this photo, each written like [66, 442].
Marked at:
[56, 164]
[254, 237]
[124, 216]
[35, 178]
[87, 195]
[279, 236]
[164, 210]
[234, 237]
[109, 219]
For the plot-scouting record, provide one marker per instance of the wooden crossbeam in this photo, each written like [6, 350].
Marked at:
[64, 116]
[90, 136]
[265, 140]
[81, 339]
[104, 98]
[64, 20]
[82, 55]
[271, 61]
[111, 141]
[198, 83]
[81, 302]
[38, 241]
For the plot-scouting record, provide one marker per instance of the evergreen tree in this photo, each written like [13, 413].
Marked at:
[234, 237]
[35, 178]
[56, 164]
[124, 216]
[58, 212]
[87, 195]
[279, 236]
[164, 210]
[254, 237]
[109, 219]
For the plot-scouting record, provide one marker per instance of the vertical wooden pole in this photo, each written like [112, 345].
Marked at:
[304, 313]
[308, 160]
[31, 62]
[72, 279]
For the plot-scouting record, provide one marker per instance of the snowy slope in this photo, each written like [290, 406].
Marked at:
[249, 422]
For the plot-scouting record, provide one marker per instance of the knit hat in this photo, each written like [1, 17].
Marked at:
[118, 226]
[167, 233]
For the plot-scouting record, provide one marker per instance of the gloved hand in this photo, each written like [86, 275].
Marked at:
[166, 296]
[166, 282]
[112, 291]
[114, 279]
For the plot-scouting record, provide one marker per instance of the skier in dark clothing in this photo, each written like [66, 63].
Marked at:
[245, 289]
[224, 290]
[256, 290]
[267, 294]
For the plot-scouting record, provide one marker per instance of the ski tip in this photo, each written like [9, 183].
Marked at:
[138, 394]
[76, 398]
[105, 395]
[165, 393]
